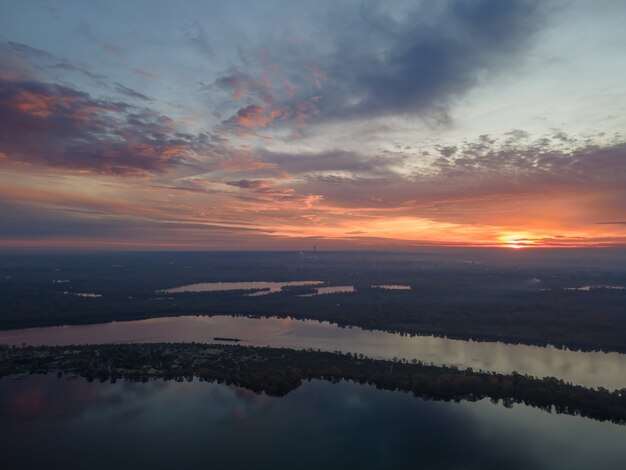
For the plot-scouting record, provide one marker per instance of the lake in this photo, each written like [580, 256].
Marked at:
[261, 287]
[585, 368]
[161, 425]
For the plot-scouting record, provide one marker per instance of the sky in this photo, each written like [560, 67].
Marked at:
[287, 124]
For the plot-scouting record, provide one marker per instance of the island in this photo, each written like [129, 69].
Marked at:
[277, 371]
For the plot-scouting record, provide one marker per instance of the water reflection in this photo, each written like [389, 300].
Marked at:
[319, 425]
[331, 290]
[263, 287]
[588, 288]
[85, 295]
[391, 286]
[585, 368]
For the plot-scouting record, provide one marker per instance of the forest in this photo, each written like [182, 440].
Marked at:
[574, 299]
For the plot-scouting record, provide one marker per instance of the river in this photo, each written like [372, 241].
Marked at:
[594, 369]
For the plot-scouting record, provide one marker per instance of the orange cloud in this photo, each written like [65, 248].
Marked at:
[57, 126]
[252, 116]
[39, 104]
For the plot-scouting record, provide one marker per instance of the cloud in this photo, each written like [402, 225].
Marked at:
[367, 62]
[197, 37]
[274, 195]
[240, 84]
[144, 74]
[419, 63]
[311, 128]
[530, 182]
[331, 161]
[252, 116]
[130, 92]
[22, 62]
[25, 222]
[270, 95]
[556, 160]
[373, 62]
[61, 127]
[250, 184]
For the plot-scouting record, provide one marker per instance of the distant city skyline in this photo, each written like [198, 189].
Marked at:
[312, 125]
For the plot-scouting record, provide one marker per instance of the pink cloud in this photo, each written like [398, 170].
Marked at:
[61, 127]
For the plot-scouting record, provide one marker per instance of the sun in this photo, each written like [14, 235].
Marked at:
[517, 240]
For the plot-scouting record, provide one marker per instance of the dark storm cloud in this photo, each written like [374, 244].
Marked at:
[61, 127]
[366, 61]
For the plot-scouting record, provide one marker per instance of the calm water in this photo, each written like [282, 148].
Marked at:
[263, 287]
[588, 288]
[260, 287]
[47, 422]
[586, 368]
[392, 286]
[331, 290]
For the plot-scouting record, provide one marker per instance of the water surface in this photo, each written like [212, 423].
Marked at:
[47, 422]
[588, 288]
[585, 368]
[263, 287]
[391, 286]
[331, 290]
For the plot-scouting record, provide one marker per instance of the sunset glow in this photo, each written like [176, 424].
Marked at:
[517, 240]
[388, 234]
[207, 128]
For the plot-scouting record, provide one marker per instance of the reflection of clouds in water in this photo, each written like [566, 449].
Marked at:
[548, 437]
[350, 425]
[395, 430]
[37, 397]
